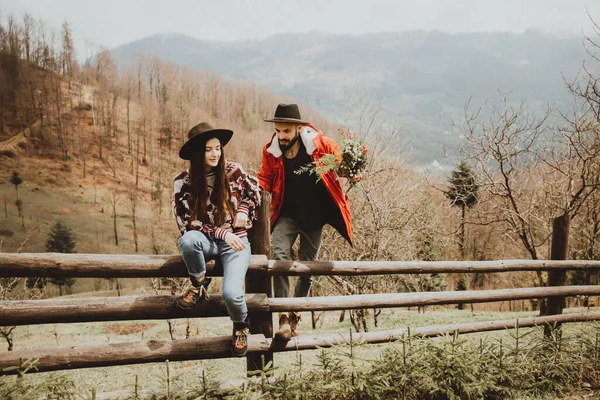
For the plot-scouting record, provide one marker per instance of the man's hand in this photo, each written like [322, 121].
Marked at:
[357, 178]
[240, 221]
[234, 242]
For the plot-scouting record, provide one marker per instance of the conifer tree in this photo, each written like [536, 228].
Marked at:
[463, 193]
[61, 240]
[16, 180]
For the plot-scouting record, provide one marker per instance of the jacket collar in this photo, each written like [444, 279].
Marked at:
[308, 136]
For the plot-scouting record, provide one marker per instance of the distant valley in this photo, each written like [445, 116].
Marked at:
[420, 80]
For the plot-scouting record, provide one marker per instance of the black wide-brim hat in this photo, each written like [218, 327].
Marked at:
[199, 135]
[287, 114]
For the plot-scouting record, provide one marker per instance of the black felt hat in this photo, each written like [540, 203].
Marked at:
[287, 114]
[197, 137]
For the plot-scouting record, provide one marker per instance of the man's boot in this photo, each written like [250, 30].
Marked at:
[294, 323]
[285, 331]
[239, 340]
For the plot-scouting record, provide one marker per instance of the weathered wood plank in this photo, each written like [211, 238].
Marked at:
[149, 351]
[307, 342]
[261, 322]
[31, 312]
[146, 351]
[299, 268]
[557, 277]
[388, 300]
[105, 265]
[140, 266]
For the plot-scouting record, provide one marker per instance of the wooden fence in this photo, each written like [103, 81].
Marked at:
[261, 304]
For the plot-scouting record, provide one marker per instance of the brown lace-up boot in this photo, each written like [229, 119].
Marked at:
[285, 331]
[239, 345]
[194, 295]
[294, 323]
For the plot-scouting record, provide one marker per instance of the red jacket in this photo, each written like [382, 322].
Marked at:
[272, 175]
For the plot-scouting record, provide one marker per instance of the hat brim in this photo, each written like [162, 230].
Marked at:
[286, 121]
[192, 147]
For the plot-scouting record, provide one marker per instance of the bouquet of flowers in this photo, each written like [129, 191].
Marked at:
[352, 164]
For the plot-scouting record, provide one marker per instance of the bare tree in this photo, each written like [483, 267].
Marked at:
[133, 204]
[503, 149]
[68, 56]
[114, 199]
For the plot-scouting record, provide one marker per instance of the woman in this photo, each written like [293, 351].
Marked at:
[215, 202]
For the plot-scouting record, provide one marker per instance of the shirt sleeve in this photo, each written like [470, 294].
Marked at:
[265, 175]
[179, 206]
[181, 210]
[247, 189]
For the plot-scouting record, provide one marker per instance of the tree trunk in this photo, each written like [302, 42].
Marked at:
[128, 123]
[7, 333]
[137, 162]
[115, 222]
[60, 131]
[462, 233]
[135, 232]
[1, 113]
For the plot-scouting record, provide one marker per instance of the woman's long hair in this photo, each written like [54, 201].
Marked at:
[221, 193]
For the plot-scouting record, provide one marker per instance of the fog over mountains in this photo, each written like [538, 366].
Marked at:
[421, 80]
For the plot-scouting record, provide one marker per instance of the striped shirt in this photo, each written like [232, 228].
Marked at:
[245, 199]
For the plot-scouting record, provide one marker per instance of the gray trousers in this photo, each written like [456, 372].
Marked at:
[285, 233]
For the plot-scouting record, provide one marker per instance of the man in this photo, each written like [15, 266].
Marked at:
[301, 204]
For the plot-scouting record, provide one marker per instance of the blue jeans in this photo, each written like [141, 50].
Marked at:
[285, 233]
[197, 249]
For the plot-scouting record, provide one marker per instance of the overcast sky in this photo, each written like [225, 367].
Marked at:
[113, 22]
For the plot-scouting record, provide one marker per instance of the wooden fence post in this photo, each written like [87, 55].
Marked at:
[560, 247]
[260, 282]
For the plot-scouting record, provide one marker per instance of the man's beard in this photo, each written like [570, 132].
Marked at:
[288, 146]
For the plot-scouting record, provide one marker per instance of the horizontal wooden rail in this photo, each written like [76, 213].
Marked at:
[105, 265]
[143, 266]
[390, 300]
[57, 310]
[149, 351]
[352, 268]
[30, 312]
[126, 353]
[319, 341]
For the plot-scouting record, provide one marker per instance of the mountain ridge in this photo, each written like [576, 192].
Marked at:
[420, 79]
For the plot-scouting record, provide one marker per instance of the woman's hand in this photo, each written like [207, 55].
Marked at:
[234, 242]
[241, 219]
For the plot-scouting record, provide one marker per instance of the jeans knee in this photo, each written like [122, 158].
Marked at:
[233, 297]
[189, 242]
